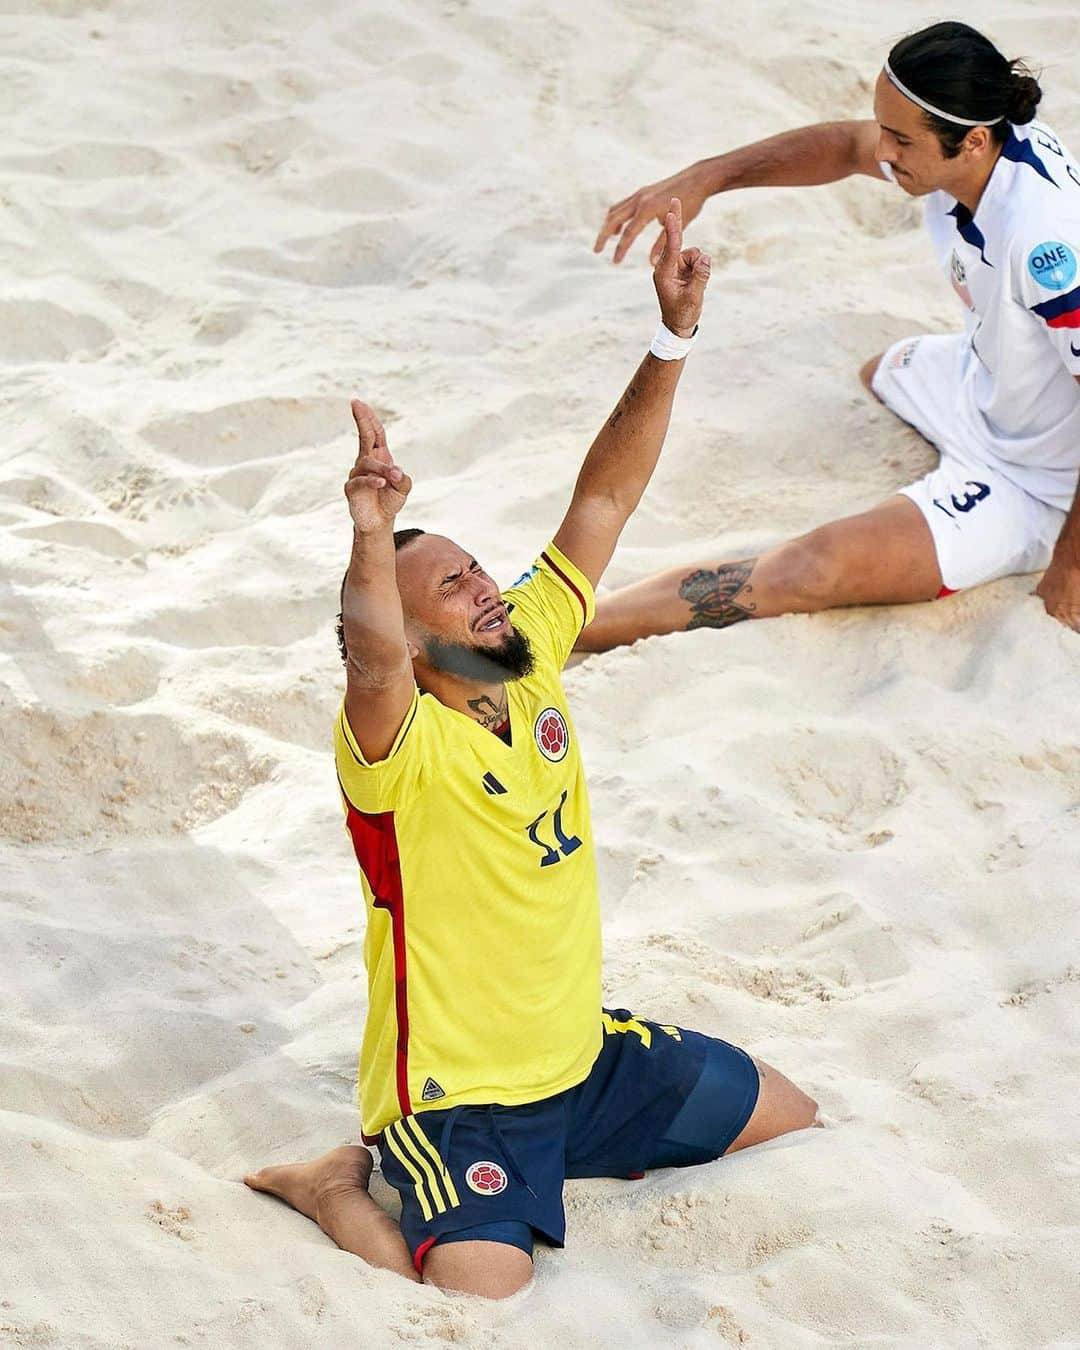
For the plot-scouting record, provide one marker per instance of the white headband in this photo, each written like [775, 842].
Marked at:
[960, 121]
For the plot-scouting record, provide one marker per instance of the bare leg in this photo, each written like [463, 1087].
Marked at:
[490, 1269]
[333, 1190]
[884, 556]
[781, 1107]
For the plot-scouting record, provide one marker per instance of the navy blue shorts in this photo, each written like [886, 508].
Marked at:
[657, 1096]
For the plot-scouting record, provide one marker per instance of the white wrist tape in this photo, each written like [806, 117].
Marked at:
[668, 346]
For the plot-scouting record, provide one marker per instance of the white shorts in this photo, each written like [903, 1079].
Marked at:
[984, 526]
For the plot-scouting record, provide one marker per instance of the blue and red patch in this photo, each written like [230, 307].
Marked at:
[1063, 311]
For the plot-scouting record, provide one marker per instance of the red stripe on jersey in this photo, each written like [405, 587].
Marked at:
[568, 583]
[1070, 320]
[375, 844]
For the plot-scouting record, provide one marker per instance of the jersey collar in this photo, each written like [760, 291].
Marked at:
[999, 182]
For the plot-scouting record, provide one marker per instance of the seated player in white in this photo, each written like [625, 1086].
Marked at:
[489, 1072]
[1000, 400]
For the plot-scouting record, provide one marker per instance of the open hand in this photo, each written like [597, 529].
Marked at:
[376, 488]
[680, 277]
[1059, 591]
[634, 213]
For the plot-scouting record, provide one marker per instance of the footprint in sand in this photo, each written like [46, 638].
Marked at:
[250, 618]
[845, 941]
[781, 981]
[174, 1219]
[82, 534]
[1024, 994]
[298, 712]
[65, 777]
[881, 215]
[311, 1296]
[218, 326]
[37, 330]
[54, 496]
[354, 190]
[790, 985]
[134, 491]
[264, 147]
[374, 252]
[117, 678]
[306, 482]
[254, 429]
[842, 779]
[827, 85]
[94, 162]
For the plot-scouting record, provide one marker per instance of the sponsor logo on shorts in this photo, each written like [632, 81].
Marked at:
[552, 735]
[431, 1091]
[485, 1178]
[904, 357]
[1053, 265]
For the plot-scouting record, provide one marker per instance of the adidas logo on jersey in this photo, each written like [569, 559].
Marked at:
[431, 1091]
[492, 786]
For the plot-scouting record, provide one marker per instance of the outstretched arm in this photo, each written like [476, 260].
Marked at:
[623, 456]
[801, 158]
[379, 676]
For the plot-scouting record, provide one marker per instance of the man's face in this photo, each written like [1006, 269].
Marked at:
[454, 613]
[908, 145]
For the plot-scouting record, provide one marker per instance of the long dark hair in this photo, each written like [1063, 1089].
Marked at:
[961, 72]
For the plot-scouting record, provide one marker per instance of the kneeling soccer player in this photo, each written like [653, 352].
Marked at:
[489, 1071]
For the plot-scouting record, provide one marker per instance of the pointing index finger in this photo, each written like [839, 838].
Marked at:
[372, 435]
[673, 232]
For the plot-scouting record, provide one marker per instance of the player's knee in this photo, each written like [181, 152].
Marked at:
[808, 571]
[486, 1269]
[802, 1111]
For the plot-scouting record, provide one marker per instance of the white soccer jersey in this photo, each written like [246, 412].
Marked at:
[1015, 265]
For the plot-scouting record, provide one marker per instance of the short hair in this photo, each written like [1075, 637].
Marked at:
[960, 71]
[401, 538]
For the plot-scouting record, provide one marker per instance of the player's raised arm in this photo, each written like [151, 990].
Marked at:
[804, 157]
[379, 674]
[623, 456]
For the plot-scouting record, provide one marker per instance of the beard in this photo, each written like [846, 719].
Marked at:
[512, 659]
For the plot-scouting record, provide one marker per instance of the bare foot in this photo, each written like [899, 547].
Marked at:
[308, 1186]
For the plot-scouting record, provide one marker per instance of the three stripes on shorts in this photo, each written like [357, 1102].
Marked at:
[434, 1186]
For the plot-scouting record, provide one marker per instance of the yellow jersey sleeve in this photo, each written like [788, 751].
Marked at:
[551, 604]
[387, 783]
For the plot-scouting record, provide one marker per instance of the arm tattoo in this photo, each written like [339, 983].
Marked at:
[487, 712]
[720, 596]
[623, 404]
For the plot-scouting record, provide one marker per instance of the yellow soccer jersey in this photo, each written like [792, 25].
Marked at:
[479, 873]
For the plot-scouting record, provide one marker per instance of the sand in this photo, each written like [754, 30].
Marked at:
[848, 842]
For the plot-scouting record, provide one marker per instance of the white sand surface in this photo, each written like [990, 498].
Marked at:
[848, 842]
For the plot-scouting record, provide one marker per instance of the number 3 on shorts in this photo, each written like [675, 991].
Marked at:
[968, 501]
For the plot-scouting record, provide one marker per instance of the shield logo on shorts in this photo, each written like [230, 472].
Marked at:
[485, 1178]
